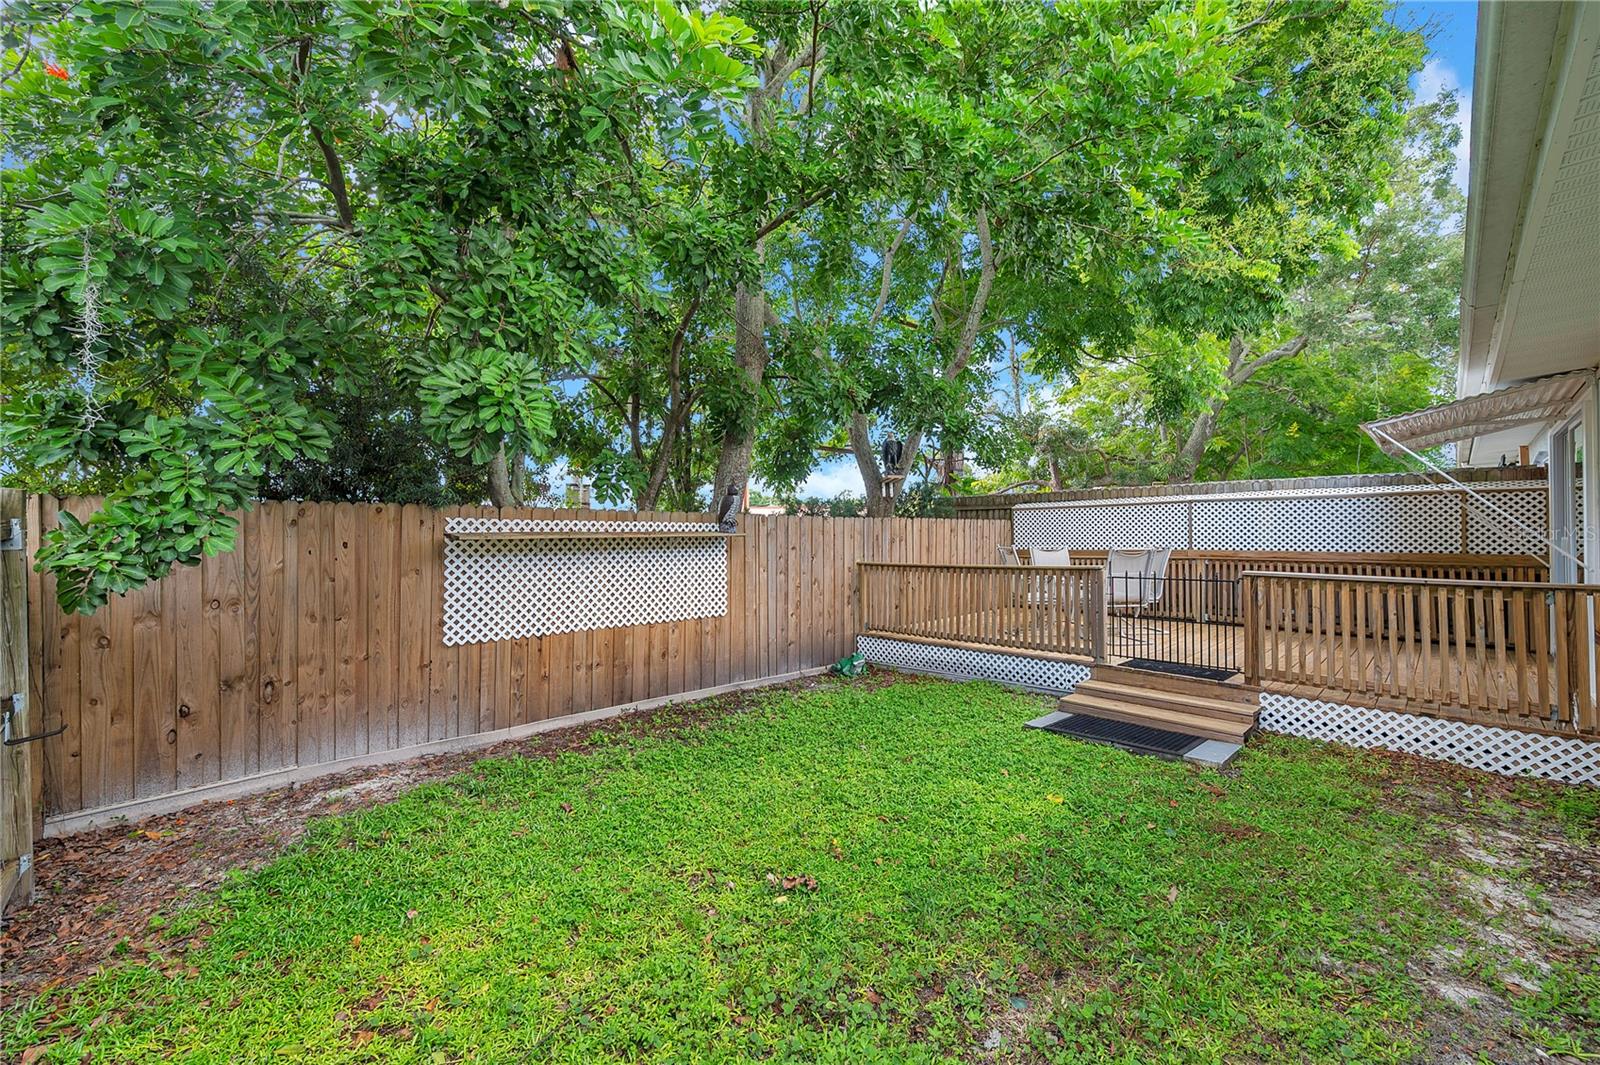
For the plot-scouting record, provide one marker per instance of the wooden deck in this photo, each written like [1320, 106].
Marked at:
[1396, 678]
[1399, 678]
[1512, 653]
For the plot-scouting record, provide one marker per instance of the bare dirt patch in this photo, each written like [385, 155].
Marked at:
[98, 891]
[1526, 890]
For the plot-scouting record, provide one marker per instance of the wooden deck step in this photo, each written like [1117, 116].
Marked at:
[1207, 726]
[1162, 699]
[1206, 689]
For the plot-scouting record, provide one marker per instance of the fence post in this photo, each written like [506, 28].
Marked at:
[861, 596]
[16, 761]
[1252, 629]
[1097, 616]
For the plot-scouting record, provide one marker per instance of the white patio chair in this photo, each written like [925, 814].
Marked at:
[1009, 556]
[1048, 593]
[1134, 582]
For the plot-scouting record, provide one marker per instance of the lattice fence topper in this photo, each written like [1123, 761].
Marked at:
[1428, 518]
[1039, 674]
[509, 589]
[1508, 752]
[1135, 525]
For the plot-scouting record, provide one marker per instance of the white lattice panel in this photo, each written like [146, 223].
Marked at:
[509, 589]
[1095, 528]
[1427, 523]
[1425, 519]
[1491, 532]
[1232, 524]
[1040, 674]
[1497, 750]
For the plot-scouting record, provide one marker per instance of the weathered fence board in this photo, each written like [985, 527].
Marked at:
[320, 638]
[22, 717]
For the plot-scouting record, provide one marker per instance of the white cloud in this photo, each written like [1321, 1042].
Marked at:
[831, 478]
[1438, 76]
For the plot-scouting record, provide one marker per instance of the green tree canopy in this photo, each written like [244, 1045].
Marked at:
[1103, 173]
[229, 216]
[1370, 333]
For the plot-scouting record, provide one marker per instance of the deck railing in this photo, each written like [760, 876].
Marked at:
[1055, 609]
[1499, 652]
[1200, 588]
[1511, 653]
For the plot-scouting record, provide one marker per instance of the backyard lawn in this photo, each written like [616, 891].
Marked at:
[891, 871]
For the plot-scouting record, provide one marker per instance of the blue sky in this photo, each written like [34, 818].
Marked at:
[1452, 30]
[1451, 26]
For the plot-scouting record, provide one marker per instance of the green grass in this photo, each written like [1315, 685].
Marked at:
[617, 904]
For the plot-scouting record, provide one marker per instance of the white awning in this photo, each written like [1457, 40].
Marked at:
[1541, 400]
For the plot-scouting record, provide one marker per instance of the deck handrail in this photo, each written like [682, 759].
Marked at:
[972, 565]
[1309, 575]
[1510, 653]
[1059, 610]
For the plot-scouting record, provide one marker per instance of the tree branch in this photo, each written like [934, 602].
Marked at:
[888, 268]
[789, 212]
[980, 299]
[1260, 362]
[330, 158]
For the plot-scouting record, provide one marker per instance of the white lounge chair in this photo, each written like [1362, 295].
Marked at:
[1042, 557]
[1135, 581]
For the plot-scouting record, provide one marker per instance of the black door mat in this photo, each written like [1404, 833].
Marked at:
[1140, 739]
[1179, 669]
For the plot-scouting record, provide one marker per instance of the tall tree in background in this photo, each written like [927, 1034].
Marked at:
[1105, 166]
[1385, 315]
[1371, 333]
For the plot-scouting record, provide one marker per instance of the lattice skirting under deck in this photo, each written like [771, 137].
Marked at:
[1498, 750]
[1038, 674]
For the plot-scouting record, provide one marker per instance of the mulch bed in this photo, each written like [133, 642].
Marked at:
[96, 891]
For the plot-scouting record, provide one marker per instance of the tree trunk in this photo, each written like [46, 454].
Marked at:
[885, 487]
[504, 482]
[678, 412]
[659, 468]
[750, 355]
[860, 431]
[1240, 370]
[1187, 462]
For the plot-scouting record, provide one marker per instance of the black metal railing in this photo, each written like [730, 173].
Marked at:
[1181, 621]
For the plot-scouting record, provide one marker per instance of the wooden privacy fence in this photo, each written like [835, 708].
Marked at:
[1055, 609]
[1506, 653]
[318, 639]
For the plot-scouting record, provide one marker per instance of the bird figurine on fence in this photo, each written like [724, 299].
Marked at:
[728, 512]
